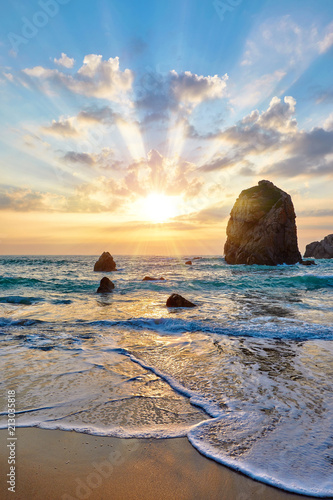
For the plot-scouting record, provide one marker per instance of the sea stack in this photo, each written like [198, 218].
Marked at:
[105, 286]
[320, 249]
[262, 228]
[176, 300]
[105, 263]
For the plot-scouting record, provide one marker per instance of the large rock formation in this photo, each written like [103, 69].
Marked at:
[176, 300]
[105, 263]
[105, 286]
[320, 249]
[262, 228]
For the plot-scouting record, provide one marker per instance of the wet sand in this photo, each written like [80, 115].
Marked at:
[61, 465]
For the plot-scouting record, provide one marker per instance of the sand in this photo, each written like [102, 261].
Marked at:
[61, 465]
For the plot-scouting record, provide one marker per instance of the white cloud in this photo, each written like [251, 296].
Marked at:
[279, 115]
[95, 78]
[64, 60]
[257, 90]
[326, 43]
[328, 123]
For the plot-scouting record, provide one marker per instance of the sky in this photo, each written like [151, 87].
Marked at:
[132, 127]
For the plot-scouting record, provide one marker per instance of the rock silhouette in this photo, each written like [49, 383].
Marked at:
[105, 286]
[262, 229]
[105, 263]
[176, 300]
[188, 263]
[320, 249]
[149, 278]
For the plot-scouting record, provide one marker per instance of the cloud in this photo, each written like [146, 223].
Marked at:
[326, 43]
[65, 61]
[328, 123]
[316, 213]
[257, 89]
[279, 115]
[21, 200]
[103, 160]
[213, 214]
[159, 95]
[61, 128]
[190, 88]
[283, 50]
[300, 165]
[95, 78]
[273, 132]
[222, 162]
[95, 197]
[103, 115]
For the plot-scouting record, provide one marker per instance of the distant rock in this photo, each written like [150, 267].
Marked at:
[320, 249]
[148, 278]
[262, 229]
[197, 258]
[105, 263]
[188, 263]
[176, 300]
[105, 286]
[308, 263]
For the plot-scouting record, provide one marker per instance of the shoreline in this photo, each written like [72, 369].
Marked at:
[67, 465]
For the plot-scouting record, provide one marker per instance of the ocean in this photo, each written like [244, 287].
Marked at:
[246, 376]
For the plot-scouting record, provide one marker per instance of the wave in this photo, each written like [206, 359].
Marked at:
[8, 281]
[5, 322]
[291, 329]
[313, 282]
[16, 299]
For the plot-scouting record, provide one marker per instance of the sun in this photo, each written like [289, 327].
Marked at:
[159, 208]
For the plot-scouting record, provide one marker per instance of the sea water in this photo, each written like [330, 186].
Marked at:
[246, 375]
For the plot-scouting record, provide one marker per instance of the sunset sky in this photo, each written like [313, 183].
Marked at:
[132, 126]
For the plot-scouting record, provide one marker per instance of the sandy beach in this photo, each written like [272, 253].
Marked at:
[60, 465]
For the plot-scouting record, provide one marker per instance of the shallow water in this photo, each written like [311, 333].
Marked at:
[246, 375]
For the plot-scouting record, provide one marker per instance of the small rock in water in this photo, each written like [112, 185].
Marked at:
[188, 263]
[148, 278]
[176, 300]
[197, 258]
[105, 286]
[308, 263]
[105, 263]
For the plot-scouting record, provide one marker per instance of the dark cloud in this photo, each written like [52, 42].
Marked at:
[98, 115]
[84, 158]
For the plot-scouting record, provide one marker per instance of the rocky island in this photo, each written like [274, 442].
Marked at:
[262, 228]
[320, 249]
[105, 263]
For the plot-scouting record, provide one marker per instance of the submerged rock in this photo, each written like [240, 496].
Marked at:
[105, 263]
[320, 249]
[105, 286]
[197, 258]
[176, 300]
[308, 263]
[149, 278]
[188, 263]
[262, 229]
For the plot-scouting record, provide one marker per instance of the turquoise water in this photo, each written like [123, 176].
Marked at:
[246, 375]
